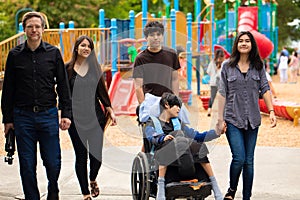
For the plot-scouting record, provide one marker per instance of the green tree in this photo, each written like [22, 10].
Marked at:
[85, 13]
[287, 12]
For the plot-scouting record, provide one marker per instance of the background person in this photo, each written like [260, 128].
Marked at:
[212, 70]
[283, 68]
[242, 78]
[294, 64]
[33, 69]
[88, 118]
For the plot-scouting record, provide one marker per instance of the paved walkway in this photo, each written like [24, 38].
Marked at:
[277, 174]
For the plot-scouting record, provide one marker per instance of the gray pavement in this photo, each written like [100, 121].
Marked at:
[277, 174]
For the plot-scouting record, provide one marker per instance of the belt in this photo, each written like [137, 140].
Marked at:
[36, 109]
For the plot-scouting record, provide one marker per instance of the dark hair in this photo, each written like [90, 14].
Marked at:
[75, 52]
[253, 57]
[153, 26]
[170, 99]
[295, 53]
[179, 49]
[218, 53]
[30, 15]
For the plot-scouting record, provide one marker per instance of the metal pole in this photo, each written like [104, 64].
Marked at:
[114, 46]
[212, 18]
[61, 29]
[189, 55]
[226, 26]
[173, 27]
[131, 25]
[101, 18]
[144, 14]
[176, 5]
[198, 20]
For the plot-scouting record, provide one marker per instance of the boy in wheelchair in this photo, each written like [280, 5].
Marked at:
[177, 144]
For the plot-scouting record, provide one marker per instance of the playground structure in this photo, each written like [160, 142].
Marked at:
[199, 37]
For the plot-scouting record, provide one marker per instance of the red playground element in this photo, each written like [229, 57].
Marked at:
[265, 46]
[247, 21]
[185, 95]
[122, 95]
[205, 101]
[226, 53]
[284, 109]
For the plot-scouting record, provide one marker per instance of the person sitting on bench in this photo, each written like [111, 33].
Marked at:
[175, 142]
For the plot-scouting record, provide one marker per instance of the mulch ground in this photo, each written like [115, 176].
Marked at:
[127, 133]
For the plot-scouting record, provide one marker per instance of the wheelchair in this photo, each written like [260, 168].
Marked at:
[144, 177]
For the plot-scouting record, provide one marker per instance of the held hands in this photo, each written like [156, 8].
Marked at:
[221, 127]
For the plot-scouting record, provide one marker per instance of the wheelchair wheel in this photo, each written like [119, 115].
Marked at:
[140, 177]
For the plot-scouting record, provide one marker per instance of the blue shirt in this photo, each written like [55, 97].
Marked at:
[157, 138]
[242, 95]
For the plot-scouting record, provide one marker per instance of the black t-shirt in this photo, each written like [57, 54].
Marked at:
[156, 70]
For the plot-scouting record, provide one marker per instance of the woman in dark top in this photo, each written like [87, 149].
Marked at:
[89, 119]
[242, 79]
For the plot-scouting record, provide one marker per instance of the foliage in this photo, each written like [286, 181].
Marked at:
[287, 12]
[86, 13]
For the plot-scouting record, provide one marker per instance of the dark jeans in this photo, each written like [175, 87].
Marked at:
[242, 144]
[31, 128]
[81, 143]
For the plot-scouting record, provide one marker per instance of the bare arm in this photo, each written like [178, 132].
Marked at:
[268, 101]
[272, 89]
[221, 106]
[175, 82]
[139, 90]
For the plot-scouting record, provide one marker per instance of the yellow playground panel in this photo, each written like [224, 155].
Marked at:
[100, 36]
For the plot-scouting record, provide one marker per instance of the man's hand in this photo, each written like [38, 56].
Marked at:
[64, 123]
[8, 126]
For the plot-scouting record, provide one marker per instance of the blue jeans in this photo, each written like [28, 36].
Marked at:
[31, 128]
[242, 144]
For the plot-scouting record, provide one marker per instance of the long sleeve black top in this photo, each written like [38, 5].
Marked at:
[30, 80]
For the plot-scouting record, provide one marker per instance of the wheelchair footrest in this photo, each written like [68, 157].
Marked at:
[188, 189]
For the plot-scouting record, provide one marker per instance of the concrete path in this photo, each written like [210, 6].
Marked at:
[277, 174]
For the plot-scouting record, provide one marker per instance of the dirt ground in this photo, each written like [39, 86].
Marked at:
[127, 133]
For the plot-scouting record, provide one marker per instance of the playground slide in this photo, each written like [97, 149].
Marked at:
[122, 95]
[286, 109]
[247, 21]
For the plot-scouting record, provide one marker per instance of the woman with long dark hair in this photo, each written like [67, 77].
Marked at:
[243, 78]
[91, 112]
